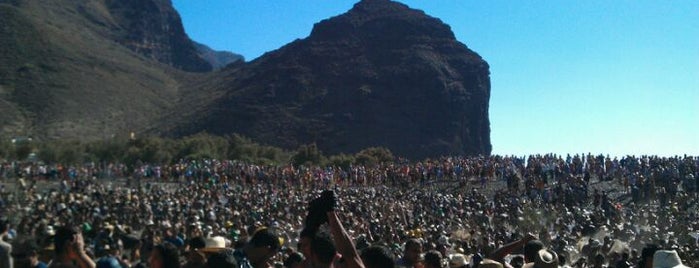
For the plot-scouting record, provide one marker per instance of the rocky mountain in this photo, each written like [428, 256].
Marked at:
[90, 68]
[381, 74]
[218, 59]
[153, 28]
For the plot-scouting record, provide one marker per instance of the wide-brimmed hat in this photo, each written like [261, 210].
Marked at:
[214, 244]
[545, 258]
[457, 260]
[667, 259]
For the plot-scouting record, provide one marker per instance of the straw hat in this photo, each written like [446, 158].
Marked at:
[545, 258]
[214, 244]
[457, 260]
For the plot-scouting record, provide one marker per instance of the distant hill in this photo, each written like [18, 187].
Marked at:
[218, 59]
[90, 68]
[381, 74]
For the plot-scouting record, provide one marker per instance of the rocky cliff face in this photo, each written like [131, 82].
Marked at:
[92, 68]
[381, 74]
[153, 28]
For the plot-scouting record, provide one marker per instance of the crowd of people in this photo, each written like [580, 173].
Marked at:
[584, 210]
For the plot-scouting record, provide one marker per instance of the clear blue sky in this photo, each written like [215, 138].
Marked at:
[615, 77]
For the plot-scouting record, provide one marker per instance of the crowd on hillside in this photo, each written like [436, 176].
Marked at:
[590, 211]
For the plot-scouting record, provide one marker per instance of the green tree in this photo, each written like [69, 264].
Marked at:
[22, 149]
[203, 145]
[341, 160]
[374, 155]
[308, 155]
[110, 150]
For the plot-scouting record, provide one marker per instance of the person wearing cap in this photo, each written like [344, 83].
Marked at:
[69, 248]
[5, 248]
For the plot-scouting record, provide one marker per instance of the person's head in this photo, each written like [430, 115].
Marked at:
[222, 259]
[531, 250]
[517, 261]
[25, 252]
[164, 255]
[262, 246]
[64, 239]
[323, 249]
[433, 259]
[599, 260]
[194, 244]
[295, 260]
[413, 249]
[378, 257]
[647, 256]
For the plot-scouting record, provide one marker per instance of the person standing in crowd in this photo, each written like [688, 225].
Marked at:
[295, 260]
[5, 248]
[164, 255]
[323, 250]
[195, 258]
[263, 245]
[646, 260]
[70, 249]
[378, 257]
[26, 254]
[433, 259]
[411, 254]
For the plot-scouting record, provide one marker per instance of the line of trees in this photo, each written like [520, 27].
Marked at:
[158, 150]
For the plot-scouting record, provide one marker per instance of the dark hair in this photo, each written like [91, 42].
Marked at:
[197, 242]
[647, 253]
[531, 250]
[4, 225]
[323, 247]
[378, 257]
[433, 258]
[222, 259]
[64, 234]
[517, 261]
[413, 242]
[265, 238]
[293, 258]
[170, 255]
